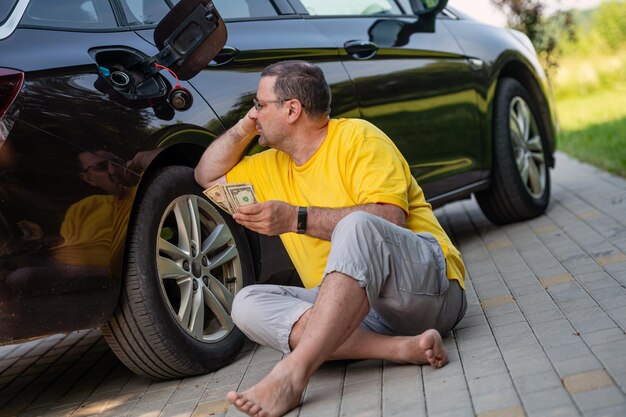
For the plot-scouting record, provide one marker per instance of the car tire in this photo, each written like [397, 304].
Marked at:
[185, 260]
[520, 178]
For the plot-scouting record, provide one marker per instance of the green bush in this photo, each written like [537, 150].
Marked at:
[590, 87]
[594, 59]
[610, 23]
[582, 75]
[602, 30]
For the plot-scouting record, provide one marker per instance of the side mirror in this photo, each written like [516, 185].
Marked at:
[426, 12]
[391, 32]
[427, 7]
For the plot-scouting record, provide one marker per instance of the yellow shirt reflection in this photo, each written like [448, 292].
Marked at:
[92, 230]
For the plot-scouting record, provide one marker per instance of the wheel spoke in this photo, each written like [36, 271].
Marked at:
[226, 255]
[534, 176]
[188, 221]
[181, 213]
[168, 269]
[516, 132]
[186, 294]
[519, 160]
[513, 125]
[538, 158]
[524, 120]
[534, 144]
[172, 251]
[519, 120]
[218, 238]
[216, 307]
[223, 295]
[192, 204]
[196, 316]
[523, 169]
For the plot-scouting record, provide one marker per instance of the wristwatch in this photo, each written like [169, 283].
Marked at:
[302, 217]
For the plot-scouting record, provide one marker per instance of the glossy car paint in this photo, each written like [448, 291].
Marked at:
[432, 93]
[64, 109]
[503, 55]
[230, 86]
[417, 89]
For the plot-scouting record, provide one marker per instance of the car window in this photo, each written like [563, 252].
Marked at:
[144, 12]
[5, 9]
[422, 4]
[350, 7]
[233, 9]
[70, 14]
[406, 5]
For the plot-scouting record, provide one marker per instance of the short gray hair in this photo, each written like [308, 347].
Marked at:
[302, 81]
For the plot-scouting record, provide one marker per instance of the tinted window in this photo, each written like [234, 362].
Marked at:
[5, 9]
[422, 4]
[232, 9]
[70, 14]
[406, 5]
[144, 12]
[350, 7]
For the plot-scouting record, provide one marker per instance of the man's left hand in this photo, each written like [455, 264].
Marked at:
[269, 218]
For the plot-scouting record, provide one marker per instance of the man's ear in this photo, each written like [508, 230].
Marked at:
[85, 177]
[294, 110]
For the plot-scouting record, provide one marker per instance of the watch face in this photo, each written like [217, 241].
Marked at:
[302, 217]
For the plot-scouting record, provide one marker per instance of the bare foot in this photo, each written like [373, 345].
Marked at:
[280, 391]
[426, 348]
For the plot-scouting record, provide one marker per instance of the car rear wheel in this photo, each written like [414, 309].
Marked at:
[185, 262]
[520, 187]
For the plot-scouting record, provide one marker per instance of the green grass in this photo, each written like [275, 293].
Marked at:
[593, 128]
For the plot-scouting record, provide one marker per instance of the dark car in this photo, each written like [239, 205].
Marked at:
[103, 117]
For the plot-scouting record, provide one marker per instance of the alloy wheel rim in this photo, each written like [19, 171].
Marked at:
[527, 147]
[199, 267]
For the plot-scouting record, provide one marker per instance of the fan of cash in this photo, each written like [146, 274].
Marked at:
[229, 197]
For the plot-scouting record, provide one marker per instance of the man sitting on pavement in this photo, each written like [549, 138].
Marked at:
[352, 217]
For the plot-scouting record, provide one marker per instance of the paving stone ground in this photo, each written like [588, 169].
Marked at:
[544, 334]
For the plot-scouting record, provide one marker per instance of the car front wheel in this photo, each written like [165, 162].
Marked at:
[185, 262]
[520, 187]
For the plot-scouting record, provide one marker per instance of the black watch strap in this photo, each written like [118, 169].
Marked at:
[302, 218]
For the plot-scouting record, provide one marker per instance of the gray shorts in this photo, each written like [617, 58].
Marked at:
[402, 272]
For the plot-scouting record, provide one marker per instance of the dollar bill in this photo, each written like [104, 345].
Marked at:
[217, 195]
[241, 194]
[229, 197]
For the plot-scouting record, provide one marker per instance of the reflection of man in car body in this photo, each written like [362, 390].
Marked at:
[349, 212]
[90, 225]
[90, 230]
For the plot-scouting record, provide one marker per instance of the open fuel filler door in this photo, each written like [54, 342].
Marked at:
[188, 38]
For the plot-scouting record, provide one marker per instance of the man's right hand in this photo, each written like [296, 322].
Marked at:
[247, 125]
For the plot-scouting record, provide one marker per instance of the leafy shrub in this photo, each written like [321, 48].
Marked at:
[610, 23]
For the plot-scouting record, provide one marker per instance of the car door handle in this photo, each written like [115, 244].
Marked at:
[227, 54]
[475, 63]
[361, 49]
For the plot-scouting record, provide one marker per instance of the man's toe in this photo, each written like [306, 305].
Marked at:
[254, 409]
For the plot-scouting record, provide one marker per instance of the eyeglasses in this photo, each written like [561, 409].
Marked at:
[103, 166]
[258, 105]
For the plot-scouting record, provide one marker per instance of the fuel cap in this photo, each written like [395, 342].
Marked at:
[180, 98]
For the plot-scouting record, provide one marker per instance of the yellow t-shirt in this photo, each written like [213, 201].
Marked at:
[356, 164]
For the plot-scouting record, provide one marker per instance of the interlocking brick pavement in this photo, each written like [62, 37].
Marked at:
[544, 334]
